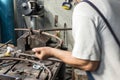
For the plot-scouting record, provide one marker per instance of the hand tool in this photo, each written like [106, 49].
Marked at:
[8, 53]
[67, 5]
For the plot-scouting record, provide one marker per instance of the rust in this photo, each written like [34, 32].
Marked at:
[44, 30]
[36, 39]
[19, 59]
[27, 60]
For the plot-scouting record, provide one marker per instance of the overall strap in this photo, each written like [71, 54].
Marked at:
[105, 20]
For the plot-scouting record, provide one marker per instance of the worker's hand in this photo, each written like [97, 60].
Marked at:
[42, 52]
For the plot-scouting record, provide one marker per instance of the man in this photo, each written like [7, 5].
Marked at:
[95, 49]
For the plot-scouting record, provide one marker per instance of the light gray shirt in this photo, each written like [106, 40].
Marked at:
[93, 40]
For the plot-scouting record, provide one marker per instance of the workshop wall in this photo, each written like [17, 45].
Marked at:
[56, 16]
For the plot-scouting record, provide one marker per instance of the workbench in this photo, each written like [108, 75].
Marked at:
[23, 69]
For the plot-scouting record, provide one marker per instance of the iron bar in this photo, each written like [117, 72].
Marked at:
[11, 67]
[5, 43]
[43, 30]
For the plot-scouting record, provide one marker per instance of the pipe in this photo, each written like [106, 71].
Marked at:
[7, 20]
[44, 30]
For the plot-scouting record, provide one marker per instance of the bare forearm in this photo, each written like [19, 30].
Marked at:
[62, 55]
[67, 57]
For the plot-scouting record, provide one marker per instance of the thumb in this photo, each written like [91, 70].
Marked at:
[38, 55]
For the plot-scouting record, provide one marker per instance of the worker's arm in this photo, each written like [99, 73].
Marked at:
[66, 56]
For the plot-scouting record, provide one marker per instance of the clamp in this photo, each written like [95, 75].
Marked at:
[67, 5]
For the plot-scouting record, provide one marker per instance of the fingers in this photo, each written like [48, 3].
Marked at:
[41, 55]
[42, 52]
[36, 50]
[38, 55]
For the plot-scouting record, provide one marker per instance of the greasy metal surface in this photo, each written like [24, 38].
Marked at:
[23, 65]
[36, 38]
[6, 77]
[28, 41]
[25, 71]
[21, 42]
[23, 68]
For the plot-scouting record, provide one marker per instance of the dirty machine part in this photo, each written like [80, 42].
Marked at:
[34, 38]
[23, 65]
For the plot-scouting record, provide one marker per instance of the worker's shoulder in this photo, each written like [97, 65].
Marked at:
[85, 9]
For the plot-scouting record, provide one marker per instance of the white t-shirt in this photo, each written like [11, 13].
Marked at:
[92, 39]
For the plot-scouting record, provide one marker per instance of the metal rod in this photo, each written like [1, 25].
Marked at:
[11, 67]
[38, 76]
[28, 55]
[56, 29]
[7, 64]
[19, 59]
[5, 43]
[54, 59]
